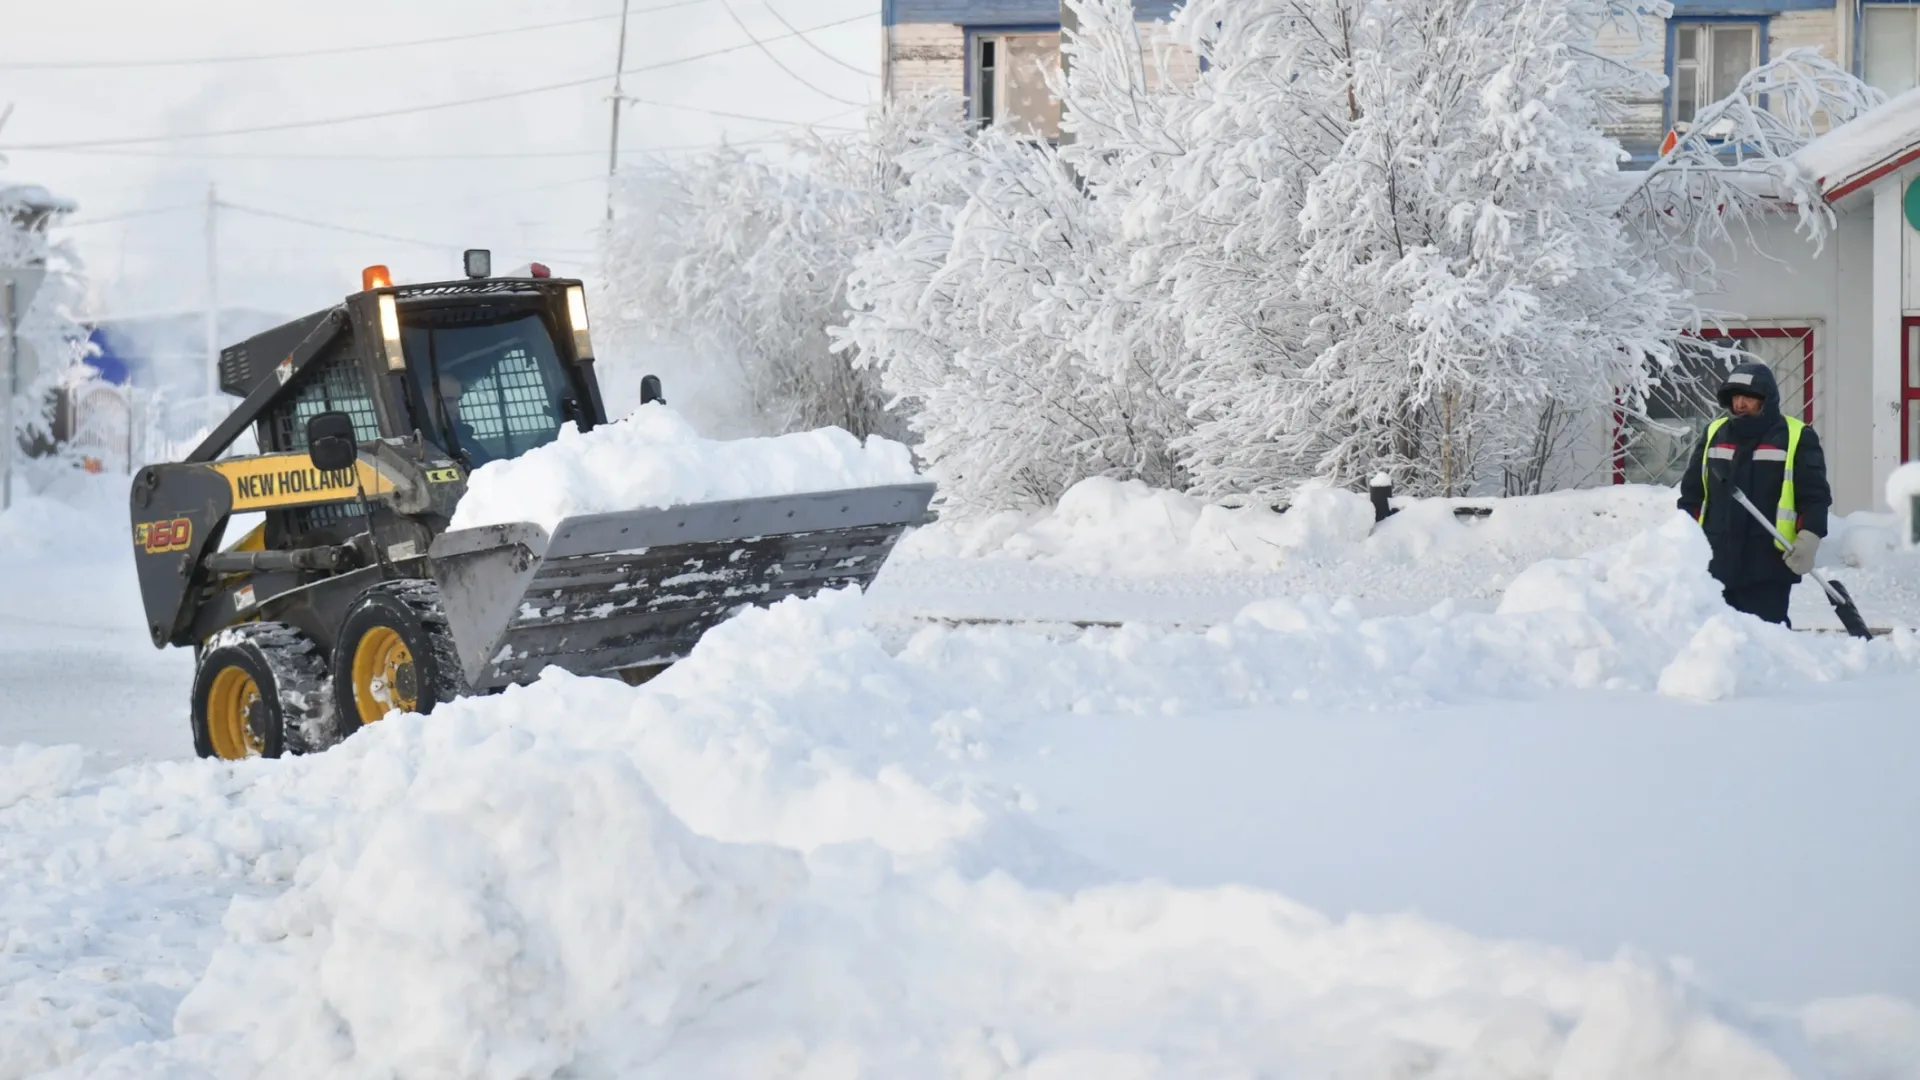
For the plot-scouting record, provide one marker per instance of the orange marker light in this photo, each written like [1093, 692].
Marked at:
[375, 277]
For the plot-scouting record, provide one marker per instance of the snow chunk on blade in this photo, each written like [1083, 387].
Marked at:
[655, 459]
[619, 547]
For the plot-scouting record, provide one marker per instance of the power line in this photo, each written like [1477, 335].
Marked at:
[730, 115]
[312, 224]
[375, 201]
[92, 65]
[125, 216]
[792, 74]
[350, 231]
[76, 144]
[812, 44]
[268, 155]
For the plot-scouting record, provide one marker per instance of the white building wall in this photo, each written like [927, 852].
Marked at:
[933, 56]
[1831, 291]
[926, 56]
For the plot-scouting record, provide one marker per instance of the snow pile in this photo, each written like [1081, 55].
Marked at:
[563, 881]
[1104, 525]
[785, 857]
[656, 459]
[491, 908]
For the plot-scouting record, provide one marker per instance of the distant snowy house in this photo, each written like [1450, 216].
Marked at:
[995, 53]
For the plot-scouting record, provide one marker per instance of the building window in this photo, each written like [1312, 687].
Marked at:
[1709, 60]
[1890, 42]
[1008, 82]
[1656, 450]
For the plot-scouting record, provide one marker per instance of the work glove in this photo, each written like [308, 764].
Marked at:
[1799, 557]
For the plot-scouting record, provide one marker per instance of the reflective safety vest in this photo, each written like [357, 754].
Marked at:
[1786, 517]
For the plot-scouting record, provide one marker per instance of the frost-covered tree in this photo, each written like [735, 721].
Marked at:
[47, 326]
[999, 324]
[1738, 163]
[744, 259]
[1396, 235]
[1389, 228]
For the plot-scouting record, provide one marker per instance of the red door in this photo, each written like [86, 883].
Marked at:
[1910, 391]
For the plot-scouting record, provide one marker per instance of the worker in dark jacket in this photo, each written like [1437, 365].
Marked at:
[1777, 461]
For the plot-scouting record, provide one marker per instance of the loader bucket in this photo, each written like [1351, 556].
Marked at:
[603, 592]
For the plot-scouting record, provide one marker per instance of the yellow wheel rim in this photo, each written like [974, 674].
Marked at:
[231, 702]
[383, 675]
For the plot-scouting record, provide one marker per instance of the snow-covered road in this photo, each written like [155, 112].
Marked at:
[1308, 839]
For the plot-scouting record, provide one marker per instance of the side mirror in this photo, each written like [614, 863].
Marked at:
[650, 390]
[330, 442]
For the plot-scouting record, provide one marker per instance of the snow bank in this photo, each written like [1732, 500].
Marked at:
[1104, 525]
[779, 858]
[773, 860]
[656, 459]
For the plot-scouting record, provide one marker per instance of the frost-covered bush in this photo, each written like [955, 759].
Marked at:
[47, 324]
[743, 259]
[1004, 326]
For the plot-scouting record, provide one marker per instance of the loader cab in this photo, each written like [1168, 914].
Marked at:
[484, 369]
[490, 384]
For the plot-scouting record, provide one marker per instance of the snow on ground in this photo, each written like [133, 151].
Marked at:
[654, 458]
[1588, 824]
[76, 665]
[1124, 551]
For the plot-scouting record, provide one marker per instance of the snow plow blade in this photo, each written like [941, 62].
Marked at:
[604, 592]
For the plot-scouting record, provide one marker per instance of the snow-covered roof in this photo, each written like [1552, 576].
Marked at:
[1864, 149]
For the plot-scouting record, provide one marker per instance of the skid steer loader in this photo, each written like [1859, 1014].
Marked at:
[351, 598]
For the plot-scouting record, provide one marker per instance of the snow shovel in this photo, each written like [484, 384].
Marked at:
[1850, 616]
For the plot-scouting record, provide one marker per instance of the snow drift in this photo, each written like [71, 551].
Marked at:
[655, 459]
[774, 860]
[1103, 526]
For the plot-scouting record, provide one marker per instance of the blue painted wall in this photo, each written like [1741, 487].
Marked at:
[1001, 12]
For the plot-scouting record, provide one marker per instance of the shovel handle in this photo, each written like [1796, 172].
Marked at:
[1741, 498]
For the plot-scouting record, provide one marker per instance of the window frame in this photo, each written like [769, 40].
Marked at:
[1669, 102]
[974, 36]
[1805, 331]
[1860, 33]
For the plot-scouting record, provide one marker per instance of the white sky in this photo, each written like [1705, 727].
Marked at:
[545, 205]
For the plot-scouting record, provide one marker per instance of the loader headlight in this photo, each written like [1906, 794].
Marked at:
[390, 333]
[577, 318]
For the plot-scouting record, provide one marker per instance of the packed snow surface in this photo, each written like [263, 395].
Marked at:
[792, 855]
[1115, 550]
[655, 459]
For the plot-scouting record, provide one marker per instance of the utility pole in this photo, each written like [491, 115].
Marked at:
[7, 440]
[613, 137]
[213, 308]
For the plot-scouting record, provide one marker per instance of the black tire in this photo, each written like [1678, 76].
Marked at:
[272, 675]
[429, 675]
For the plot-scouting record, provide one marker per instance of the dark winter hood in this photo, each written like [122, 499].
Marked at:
[1755, 380]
